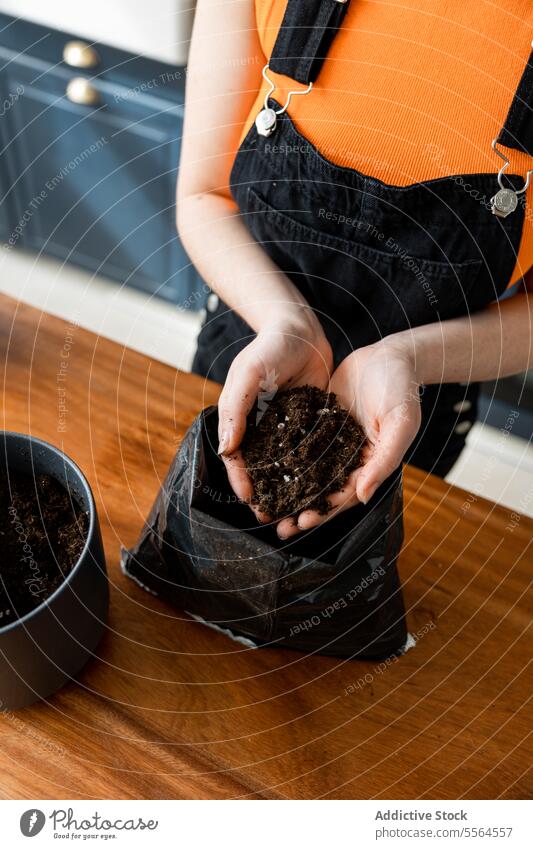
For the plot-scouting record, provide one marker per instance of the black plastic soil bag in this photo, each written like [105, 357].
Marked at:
[333, 590]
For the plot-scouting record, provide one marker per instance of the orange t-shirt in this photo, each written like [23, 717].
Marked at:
[414, 90]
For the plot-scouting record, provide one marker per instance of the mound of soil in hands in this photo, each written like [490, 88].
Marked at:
[42, 534]
[301, 449]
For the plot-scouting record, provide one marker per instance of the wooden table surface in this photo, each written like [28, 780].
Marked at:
[170, 709]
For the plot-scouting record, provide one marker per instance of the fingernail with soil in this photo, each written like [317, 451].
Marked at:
[223, 444]
[285, 535]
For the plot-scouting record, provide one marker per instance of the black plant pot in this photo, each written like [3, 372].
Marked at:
[48, 646]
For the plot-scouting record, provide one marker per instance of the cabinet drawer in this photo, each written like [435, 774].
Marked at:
[94, 183]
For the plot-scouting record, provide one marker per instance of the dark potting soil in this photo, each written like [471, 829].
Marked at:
[299, 450]
[42, 534]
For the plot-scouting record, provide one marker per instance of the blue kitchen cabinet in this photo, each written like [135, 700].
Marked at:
[93, 183]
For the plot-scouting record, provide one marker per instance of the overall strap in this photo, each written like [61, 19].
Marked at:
[517, 131]
[305, 36]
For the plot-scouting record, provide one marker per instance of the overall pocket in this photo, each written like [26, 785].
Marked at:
[361, 293]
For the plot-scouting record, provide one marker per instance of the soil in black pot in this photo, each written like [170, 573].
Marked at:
[42, 534]
[299, 450]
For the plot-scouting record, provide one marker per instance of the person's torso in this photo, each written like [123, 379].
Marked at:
[414, 92]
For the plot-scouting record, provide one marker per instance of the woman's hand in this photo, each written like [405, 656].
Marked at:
[378, 385]
[293, 352]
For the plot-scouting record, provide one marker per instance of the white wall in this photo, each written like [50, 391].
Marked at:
[160, 30]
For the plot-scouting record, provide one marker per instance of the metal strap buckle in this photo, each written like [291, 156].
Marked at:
[505, 200]
[267, 119]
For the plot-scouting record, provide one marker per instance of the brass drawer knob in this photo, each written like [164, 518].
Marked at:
[78, 54]
[82, 91]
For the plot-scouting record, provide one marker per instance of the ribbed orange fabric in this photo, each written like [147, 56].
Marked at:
[414, 89]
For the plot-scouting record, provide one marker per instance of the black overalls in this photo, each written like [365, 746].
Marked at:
[371, 258]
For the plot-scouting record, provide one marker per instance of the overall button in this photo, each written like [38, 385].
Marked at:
[212, 302]
[462, 406]
[463, 427]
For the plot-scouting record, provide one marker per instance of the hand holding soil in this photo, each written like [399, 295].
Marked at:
[299, 450]
[291, 354]
[378, 386]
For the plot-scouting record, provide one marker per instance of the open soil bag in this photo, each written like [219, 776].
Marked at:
[333, 590]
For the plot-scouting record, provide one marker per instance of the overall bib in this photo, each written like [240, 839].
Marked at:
[371, 258]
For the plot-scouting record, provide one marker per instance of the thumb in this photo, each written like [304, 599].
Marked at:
[236, 400]
[397, 431]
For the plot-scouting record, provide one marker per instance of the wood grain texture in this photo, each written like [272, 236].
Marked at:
[170, 709]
